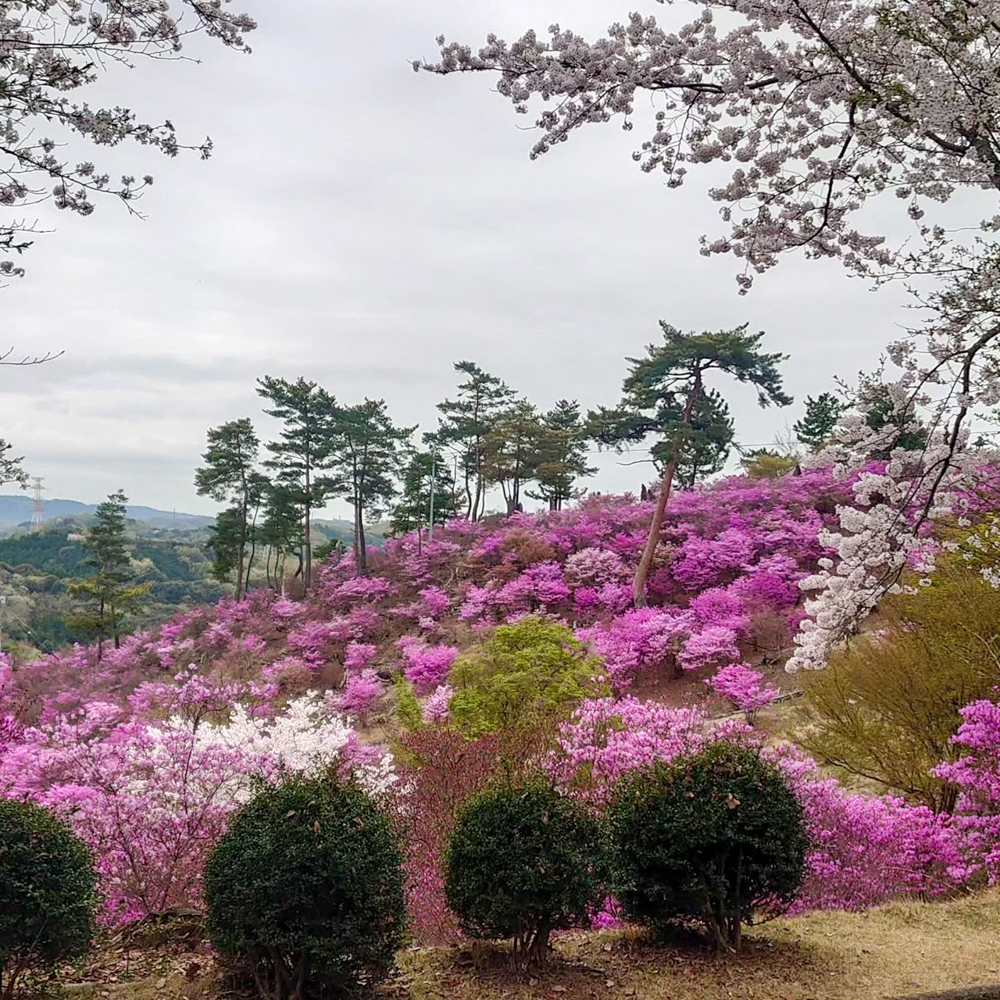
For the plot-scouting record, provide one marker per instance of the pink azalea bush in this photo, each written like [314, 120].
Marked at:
[866, 849]
[427, 666]
[977, 775]
[151, 798]
[744, 687]
[361, 694]
[359, 654]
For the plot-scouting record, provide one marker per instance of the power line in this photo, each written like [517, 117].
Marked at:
[23, 624]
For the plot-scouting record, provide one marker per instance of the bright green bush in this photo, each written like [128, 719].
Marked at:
[47, 896]
[526, 674]
[523, 861]
[306, 887]
[717, 837]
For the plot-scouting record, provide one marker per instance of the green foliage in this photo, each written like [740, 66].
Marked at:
[51, 552]
[510, 452]
[110, 597]
[763, 463]
[886, 706]
[48, 551]
[821, 418]
[47, 895]
[302, 448]
[523, 861]
[663, 390]
[307, 888]
[716, 837]
[526, 674]
[282, 529]
[408, 710]
[465, 422]
[229, 460]
[366, 451]
[229, 476]
[227, 545]
[332, 548]
[711, 437]
[37, 569]
[11, 470]
[412, 511]
[662, 394]
[561, 455]
[107, 537]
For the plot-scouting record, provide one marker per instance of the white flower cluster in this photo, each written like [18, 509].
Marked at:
[879, 535]
[306, 738]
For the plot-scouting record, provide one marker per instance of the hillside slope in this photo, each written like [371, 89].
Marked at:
[724, 585]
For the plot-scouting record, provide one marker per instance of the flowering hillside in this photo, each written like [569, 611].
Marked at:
[150, 749]
[724, 585]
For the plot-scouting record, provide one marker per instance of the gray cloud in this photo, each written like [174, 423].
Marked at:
[367, 227]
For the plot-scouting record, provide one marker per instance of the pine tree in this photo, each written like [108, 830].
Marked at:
[227, 545]
[708, 445]
[366, 453]
[302, 452]
[109, 595]
[229, 476]
[510, 451]
[765, 463]
[660, 396]
[562, 455]
[465, 424]
[820, 421]
[412, 512]
[903, 427]
[281, 531]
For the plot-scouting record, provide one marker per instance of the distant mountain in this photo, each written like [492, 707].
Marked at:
[16, 508]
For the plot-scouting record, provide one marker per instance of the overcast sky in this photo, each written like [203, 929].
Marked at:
[366, 227]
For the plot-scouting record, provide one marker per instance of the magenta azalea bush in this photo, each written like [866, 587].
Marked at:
[744, 687]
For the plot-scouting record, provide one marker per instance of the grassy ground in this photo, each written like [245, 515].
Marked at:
[896, 951]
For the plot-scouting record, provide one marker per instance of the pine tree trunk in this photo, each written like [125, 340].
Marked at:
[246, 579]
[646, 562]
[242, 552]
[308, 529]
[362, 544]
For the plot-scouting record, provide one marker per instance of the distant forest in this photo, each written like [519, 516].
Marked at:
[37, 567]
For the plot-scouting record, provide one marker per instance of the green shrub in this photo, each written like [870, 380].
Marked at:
[525, 675]
[887, 705]
[523, 861]
[47, 895]
[408, 710]
[306, 887]
[717, 837]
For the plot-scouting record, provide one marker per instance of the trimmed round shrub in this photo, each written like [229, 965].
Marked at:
[717, 837]
[47, 894]
[306, 888]
[523, 861]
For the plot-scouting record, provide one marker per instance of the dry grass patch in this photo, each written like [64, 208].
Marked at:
[894, 951]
